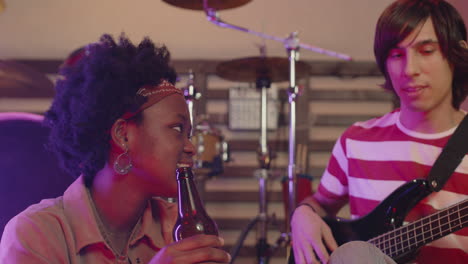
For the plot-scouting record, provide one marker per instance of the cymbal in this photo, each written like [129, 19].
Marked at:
[216, 4]
[251, 68]
[20, 80]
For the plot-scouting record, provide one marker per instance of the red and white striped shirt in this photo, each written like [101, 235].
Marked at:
[373, 158]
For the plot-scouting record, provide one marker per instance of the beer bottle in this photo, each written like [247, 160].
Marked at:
[192, 219]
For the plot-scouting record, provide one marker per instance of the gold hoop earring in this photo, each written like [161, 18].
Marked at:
[123, 163]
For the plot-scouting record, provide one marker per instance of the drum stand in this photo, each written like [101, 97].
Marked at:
[264, 158]
[190, 95]
[264, 251]
[292, 46]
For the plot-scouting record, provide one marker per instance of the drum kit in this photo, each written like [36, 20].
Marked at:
[213, 150]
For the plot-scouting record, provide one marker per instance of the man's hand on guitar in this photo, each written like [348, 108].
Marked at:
[311, 237]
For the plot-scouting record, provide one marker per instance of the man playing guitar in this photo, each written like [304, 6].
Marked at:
[420, 47]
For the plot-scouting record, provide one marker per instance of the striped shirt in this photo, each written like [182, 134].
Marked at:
[373, 158]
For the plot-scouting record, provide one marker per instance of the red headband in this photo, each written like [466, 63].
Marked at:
[154, 95]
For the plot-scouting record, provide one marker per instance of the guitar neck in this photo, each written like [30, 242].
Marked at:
[416, 234]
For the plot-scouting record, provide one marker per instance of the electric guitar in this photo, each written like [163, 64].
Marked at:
[383, 226]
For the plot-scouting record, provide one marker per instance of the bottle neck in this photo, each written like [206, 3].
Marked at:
[189, 200]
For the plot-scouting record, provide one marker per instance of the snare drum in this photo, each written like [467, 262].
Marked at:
[212, 150]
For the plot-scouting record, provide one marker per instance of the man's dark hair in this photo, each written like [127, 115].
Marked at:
[404, 16]
[95, 89]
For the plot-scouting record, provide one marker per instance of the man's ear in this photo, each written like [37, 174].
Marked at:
[463, 44]
[119, 132]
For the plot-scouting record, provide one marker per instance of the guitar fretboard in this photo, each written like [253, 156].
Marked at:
[416, 234]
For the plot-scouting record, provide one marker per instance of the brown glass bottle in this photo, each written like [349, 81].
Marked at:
[192, 219]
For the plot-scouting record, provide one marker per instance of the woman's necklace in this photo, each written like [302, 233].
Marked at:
[119, 251]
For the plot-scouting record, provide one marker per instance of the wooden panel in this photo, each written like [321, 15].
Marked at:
[248, 171]
[348, 69]
[278, 145]
[241, 196]
[339, 119]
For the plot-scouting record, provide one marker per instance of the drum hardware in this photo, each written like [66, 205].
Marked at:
[191, 94]
[213, 16]
[261, 70]
[264, 70]
[256, 69]
[212, 151]
[303, 186]
[264, 157]
[292, 46]
[198, 4]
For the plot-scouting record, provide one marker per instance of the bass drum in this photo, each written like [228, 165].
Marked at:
[212, 150]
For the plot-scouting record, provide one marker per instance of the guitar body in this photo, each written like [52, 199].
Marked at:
[388, 215]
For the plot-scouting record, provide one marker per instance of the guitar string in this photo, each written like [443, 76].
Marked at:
[422, 219]
[391, 236]
[397, 250]
[464, 204]
[391, 249]
[452, 224]
[457, 224]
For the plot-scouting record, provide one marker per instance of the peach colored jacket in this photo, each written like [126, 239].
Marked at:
[64, 230]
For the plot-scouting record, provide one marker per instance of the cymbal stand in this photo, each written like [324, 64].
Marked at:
[264, 250]
[213, 17]
[264, 158]
[292, 46]
[191, 94]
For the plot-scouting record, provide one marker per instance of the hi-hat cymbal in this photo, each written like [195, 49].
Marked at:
[251, 68]
[216, 4]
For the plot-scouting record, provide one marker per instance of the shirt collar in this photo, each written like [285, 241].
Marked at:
[79, 212]
[157, 221]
